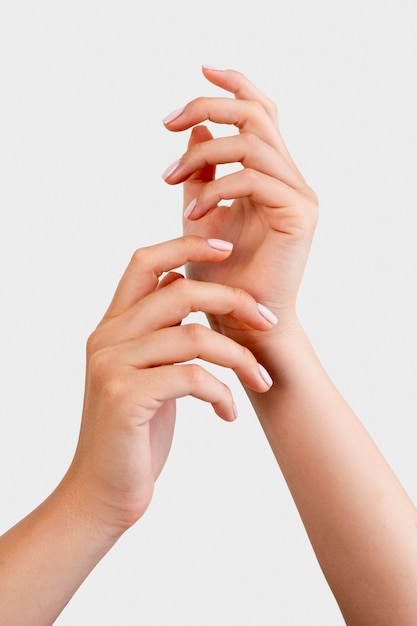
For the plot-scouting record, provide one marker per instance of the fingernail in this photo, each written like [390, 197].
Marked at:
[267, 314]
[265, 376]
[171, 169]
[212, 67]
[190, 208]
[220, 244]
[173, 115]
[235, 413]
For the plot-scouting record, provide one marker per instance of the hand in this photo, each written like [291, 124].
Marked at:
[274, 212]
[136, 367]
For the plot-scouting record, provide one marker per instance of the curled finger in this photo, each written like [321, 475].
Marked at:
[248, 150]
[277, 199]
[150, 262]
[168, 306]
[177, 381]
[189, 342]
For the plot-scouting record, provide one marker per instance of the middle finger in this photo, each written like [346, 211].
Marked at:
[248, 149]
[249, 116]
[168, 306]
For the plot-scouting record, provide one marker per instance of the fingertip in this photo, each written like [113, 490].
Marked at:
[265, 376]
[172, 116]
[212, 68]
[169, 278]
[267, 314]
[190, 208]
[230, 416]
[170, 169]
[199, 134]
[220, 244]
[216, 75]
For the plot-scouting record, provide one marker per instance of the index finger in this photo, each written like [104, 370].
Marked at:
[149, 263]
[243, 89]
[254, 112]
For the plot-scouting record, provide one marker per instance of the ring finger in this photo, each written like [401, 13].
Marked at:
[192, 341]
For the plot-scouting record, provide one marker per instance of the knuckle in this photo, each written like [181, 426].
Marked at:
[272, 107]
[252, 141]
[240, 296]
[106, 376]
[200, 102]
[139, 257]
[250, 176]
[100, 365]
[94, 343]
[194, 155]
[246, 357]
[116, 389]
[195, 151]
[258, 108]
[195, 333]
[195, 374]
[312, 206]
[314, 198]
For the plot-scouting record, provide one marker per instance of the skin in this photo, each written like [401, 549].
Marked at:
[361, 523]
[137, 365]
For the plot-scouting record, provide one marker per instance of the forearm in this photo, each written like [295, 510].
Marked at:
[46, 557]
[361, 523]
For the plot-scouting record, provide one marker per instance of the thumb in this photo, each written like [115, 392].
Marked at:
[193, 185]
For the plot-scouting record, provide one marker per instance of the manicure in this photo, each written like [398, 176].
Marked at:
[190, 208]
[220, 244]
[171, 169]
[265, 376]
[173, 115]
[213, 68]
[267, 314]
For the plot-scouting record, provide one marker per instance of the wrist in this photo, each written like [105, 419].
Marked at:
[274, 346]
[104, 516]
[287, 355]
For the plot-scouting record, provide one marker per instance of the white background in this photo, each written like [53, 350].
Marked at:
[84, 85]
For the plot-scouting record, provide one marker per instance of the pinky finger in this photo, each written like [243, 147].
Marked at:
[178, 381]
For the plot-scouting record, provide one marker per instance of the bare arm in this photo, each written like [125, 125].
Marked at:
[360, 521]
[136, 368]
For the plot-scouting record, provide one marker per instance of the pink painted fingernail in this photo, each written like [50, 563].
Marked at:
[171, 169]
[190, 208]
[214, 68]
[220, 244]
[235, 413]
[173, 115]
[265, 376]
[267, 314]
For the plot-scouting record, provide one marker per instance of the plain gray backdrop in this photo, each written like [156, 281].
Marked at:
[84, 86]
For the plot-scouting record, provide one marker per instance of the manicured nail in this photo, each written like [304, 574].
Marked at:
[190, 208]
[235, 413]
[213, 68]
[265, 376]
[173, 115]
[267, 314]
[220, 244]
[171, 169]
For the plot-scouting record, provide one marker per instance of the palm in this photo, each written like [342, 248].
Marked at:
[250, 233]
[257, 234]
[161, 431]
